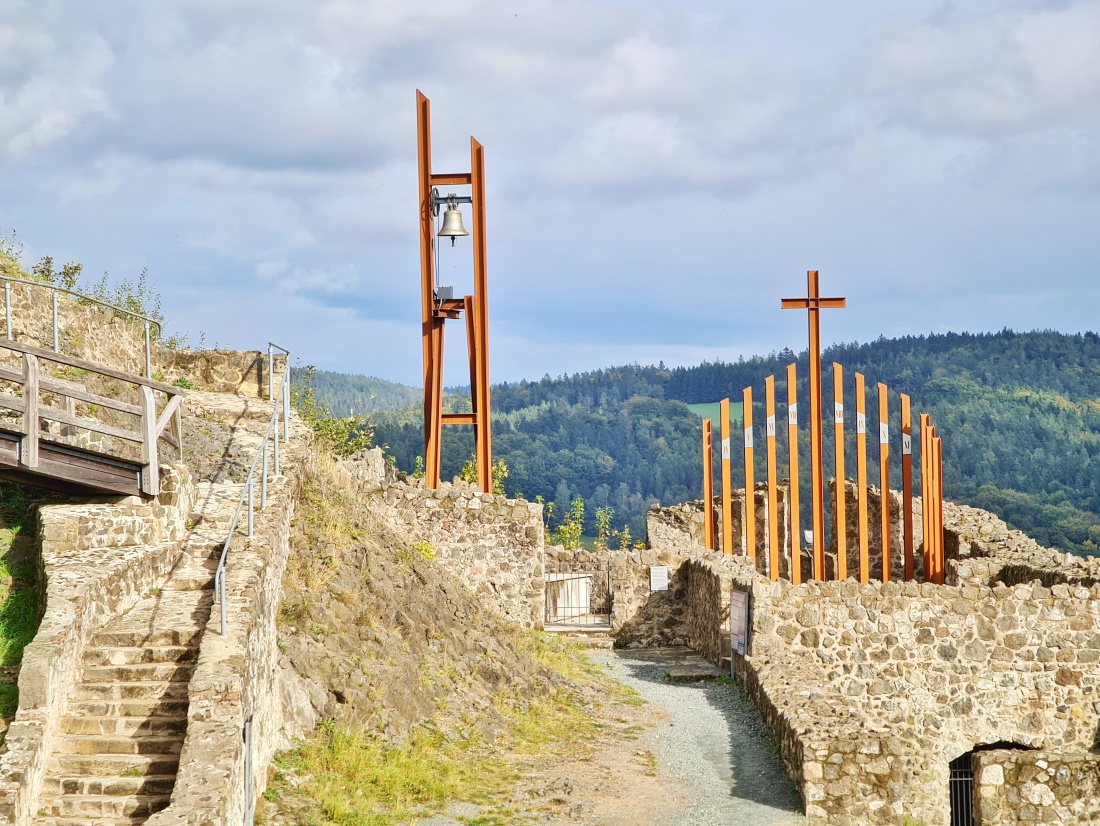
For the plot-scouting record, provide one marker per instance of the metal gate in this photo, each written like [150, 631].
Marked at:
[578, 599]
[961, 785]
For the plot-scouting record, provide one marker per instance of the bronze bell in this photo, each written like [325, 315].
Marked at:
[452, 224]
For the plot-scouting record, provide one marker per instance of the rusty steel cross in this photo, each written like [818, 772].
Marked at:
[813, 303]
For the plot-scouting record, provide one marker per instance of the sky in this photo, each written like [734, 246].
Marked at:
[659, 174]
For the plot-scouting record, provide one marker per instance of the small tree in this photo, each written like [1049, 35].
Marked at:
[603, 527]
[500, 473]
[568, 533]
[344, 436]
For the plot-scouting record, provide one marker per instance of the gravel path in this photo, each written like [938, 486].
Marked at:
[712, 743]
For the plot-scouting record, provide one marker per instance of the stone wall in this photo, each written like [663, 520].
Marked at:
[684, 526]
[1022, 788]
[242, 373]
[101, 335]
[98, 560]
[237, 677]
[84, 330]
[628, 576]
[493, 544]
[871, 691]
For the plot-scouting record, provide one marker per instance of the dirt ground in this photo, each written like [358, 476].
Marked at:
[624, 777]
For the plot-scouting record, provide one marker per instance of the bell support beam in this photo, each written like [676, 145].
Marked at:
[434, 313]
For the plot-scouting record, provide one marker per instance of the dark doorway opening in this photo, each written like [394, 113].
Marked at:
[961, 782]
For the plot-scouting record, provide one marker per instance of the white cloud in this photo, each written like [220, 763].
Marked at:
[1010, 73]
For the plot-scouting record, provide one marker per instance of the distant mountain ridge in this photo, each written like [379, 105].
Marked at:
[1019, 414]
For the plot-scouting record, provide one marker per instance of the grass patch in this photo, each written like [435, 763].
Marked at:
[19, 611]
[353, 779]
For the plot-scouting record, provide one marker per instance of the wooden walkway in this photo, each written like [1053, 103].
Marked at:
[69, 424]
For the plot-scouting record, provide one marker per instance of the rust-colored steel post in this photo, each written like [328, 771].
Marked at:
[925, 498]
[431, 326]
[907, 484]
[813, 303]
[861, 477]
[792, 464]
[433, 314]
[773, 492]
[750, 482]
[840, 528]
[727, 484]
[479, 381]
[708, 484]
[884, 478]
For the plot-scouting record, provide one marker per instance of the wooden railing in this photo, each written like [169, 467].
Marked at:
[834, 562]
[96, 440]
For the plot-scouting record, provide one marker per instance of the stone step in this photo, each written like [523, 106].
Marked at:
[88, 821]
[146, 672]
[149, 784]
[112, 765]
[191, 580]
[101, 806]
[124, 655]
[132, 708]
[124, 726]
[141, 637]
[149, 690]
[104, 744]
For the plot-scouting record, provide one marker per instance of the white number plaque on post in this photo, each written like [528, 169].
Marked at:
[658, 578]
[739, 621]
[725, 448]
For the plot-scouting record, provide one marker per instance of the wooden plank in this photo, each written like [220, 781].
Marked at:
[907, 484]
[8, 374]
[884, 478]
[150, 475]
[29, 445]
[861, 478]
[840, 526]
[727, 484]
[55, 414]
[166, 415]
[90, 366]
[773, 495]
[925, 472]
[68, 469]
[792, 464]
[16, 403]
[750, 483]
[51, 385]
[708, 485]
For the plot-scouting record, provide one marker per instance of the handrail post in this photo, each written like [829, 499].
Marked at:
[270, 373]
[221, 599]
[148, 354]
[275, 440]
[286, 401]
[251, 499]
[7, 306]
[56, 337]
[263, 482]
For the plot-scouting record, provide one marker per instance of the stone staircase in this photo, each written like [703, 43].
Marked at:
[115, 757]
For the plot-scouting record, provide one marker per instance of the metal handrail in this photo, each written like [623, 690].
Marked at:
[146, 320]
[247, 495]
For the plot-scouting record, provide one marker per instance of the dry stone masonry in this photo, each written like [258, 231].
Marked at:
[494, 544]
[871, 691]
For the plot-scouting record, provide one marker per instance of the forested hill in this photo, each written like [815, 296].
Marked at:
[1019, 413]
